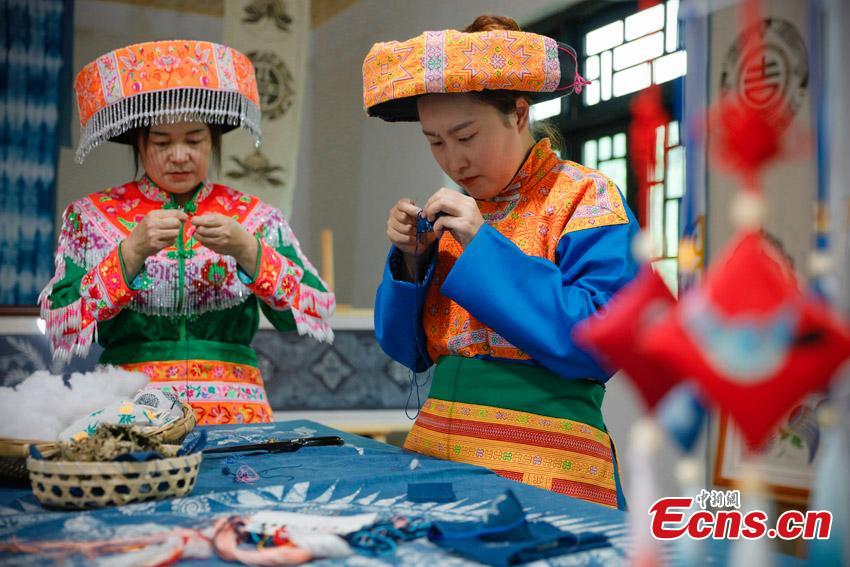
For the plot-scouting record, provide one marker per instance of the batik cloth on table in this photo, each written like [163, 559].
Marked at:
[187, 320]
[554, 248]
[328, 481]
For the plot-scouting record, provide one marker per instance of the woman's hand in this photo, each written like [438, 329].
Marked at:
[157, 230]
[227, 237]
[401, 230]
[460, 215]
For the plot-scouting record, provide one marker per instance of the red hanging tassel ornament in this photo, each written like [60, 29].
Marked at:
[745, 140]
[648, 114]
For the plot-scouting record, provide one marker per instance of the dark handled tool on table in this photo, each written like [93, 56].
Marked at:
[274, 446]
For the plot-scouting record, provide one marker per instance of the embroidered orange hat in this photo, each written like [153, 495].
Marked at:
[165, 81]
[395, 73]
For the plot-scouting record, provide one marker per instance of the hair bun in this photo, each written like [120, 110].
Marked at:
[491, 22]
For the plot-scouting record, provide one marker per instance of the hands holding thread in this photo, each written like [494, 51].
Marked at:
[415, 246]
[224, 235]
[401, 228]
[446, 210]
[460, 215]
[160, 229]
[157, 230]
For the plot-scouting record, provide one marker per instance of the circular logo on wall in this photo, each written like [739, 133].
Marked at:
[274, 82]
[772, 77]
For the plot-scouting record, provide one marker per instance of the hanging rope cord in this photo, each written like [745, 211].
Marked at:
[421, 350]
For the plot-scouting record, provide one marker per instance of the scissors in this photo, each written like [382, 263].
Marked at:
[284, 446]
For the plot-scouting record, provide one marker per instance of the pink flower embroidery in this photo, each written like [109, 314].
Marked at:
[201, 57]
[132, 63]
[167, 63]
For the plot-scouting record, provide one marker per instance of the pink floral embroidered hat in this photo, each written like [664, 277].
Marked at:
[165, 81]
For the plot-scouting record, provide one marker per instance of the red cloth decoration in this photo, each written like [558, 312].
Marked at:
[647, 115]
[614, 333]
[644, 4]
[745, 140]
[749, 337]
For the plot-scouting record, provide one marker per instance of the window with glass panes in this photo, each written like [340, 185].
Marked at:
[629, 54]
[623, 50]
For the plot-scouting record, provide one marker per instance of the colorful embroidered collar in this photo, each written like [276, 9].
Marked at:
[541, 159]
[153, 192]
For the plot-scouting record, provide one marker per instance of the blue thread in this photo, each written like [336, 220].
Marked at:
[382, 538]
[422, 225]
[231, 464]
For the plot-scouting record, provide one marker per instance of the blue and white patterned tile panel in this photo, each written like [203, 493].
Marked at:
[300, 374]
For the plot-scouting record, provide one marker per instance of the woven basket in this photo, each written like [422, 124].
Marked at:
[14, 452]
[176, 431]
[13, 459]
[79, 485]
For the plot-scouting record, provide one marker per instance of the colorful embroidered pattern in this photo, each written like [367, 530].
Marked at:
[199, 370]
[103, 293]
[450, 61]
[218, 413]
[552, 453]
[277, 282]
[162, 65]
[547, 199]
[96, 224]
[278, 285]
[219, 392]
[151, 82]
[103, 290]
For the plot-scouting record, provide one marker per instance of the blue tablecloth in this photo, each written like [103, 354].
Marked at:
[362, 476]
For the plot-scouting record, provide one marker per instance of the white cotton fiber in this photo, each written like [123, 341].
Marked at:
[42, 406]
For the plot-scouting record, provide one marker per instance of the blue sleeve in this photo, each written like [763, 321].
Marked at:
[398, 315]
[534, 303]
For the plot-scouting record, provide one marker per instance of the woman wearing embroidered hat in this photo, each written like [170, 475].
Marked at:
[491, 295]
[168, 272]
